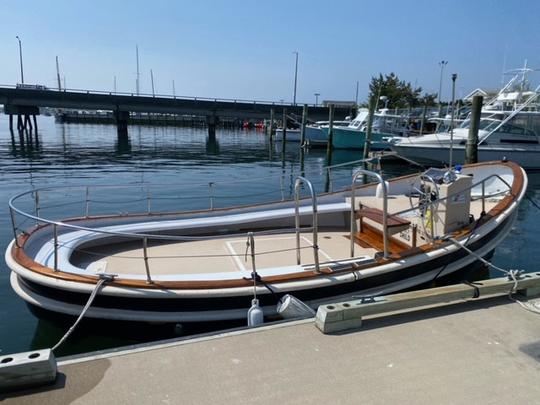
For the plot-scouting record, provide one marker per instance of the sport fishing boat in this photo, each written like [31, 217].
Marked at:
[207, 265]
[385, 126]
[509, 129]
[315, 135]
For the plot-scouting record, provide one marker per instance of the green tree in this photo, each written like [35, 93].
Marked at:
[399, 93]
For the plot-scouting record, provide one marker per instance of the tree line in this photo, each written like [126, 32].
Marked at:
[399, 93]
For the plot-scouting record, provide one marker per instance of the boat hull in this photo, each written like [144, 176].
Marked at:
[316, 136]
[135, 307]
[223, 290]
[428, 154]
[292, 135]
[345, 138]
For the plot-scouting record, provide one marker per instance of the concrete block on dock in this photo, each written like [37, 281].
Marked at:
[338, 317]
[530, 292]
[342, 316]
[28, 369]
[337, 325]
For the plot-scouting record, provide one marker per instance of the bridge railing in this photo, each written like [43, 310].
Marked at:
[158, 95]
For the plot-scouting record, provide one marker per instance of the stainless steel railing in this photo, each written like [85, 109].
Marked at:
[299, 181]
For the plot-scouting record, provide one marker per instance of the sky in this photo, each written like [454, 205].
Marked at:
[245, 49]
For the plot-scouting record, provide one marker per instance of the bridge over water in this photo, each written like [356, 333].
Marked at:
[24, 101]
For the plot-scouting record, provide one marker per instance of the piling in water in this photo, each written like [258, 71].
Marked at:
[303, 129]
[271, 126]
[369, 129]
[471, 151]
[284, 132]
[329, 144]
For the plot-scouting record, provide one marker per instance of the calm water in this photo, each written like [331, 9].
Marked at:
[237, 162]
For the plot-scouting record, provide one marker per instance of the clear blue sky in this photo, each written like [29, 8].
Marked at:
[244, 49]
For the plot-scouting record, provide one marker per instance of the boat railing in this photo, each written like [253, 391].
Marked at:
[363, 172]
[149, 193]
[58, 226]
[299, 181]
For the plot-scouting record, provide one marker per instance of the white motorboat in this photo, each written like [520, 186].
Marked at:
[194, 266]
[509, 129]
[292, 135]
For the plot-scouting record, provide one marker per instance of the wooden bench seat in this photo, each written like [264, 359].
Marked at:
[376, 215]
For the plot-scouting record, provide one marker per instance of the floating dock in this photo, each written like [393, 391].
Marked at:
[484, 350]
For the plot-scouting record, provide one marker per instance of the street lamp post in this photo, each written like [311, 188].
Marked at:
[442, 64]
[295, 76]
[317, 99]
[20, 59]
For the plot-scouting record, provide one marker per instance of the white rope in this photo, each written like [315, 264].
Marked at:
[505, 272]
[513, 274]
[86, 307]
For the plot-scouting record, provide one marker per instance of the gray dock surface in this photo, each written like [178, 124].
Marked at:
[483, 352]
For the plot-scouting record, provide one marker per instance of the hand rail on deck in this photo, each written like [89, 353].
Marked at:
[299, 181]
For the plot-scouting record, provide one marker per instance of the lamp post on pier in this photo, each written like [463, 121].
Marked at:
[295, 76]
[20, 59]
[442, 64]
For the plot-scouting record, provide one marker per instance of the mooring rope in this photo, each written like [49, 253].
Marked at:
[103, 279]
[512, 274]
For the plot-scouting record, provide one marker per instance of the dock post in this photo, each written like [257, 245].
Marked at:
[211, 121]
[329, 144]
[303, 129]
[35, 122]
[121, 119]
[471, 148]
[423, 121]
[271, 126]
[11, 122]
[284, 132]
[329, 147]
[19, 122]
[369, 129]
[29, 122]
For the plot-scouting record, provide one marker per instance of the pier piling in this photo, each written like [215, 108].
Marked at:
[11, 122]
[329, 144]
[211, 121]
[303, 129]
[471, 148]
[369, 129]
[121, 118]
[284, 132]
[271, 126]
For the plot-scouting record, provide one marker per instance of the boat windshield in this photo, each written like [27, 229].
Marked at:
[490, 124]
[485, 124]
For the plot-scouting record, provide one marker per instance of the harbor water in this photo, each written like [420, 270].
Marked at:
[242, 166]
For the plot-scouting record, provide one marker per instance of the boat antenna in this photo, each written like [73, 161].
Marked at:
[454, 77]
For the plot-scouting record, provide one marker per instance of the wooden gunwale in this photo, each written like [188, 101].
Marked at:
[24, 260]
